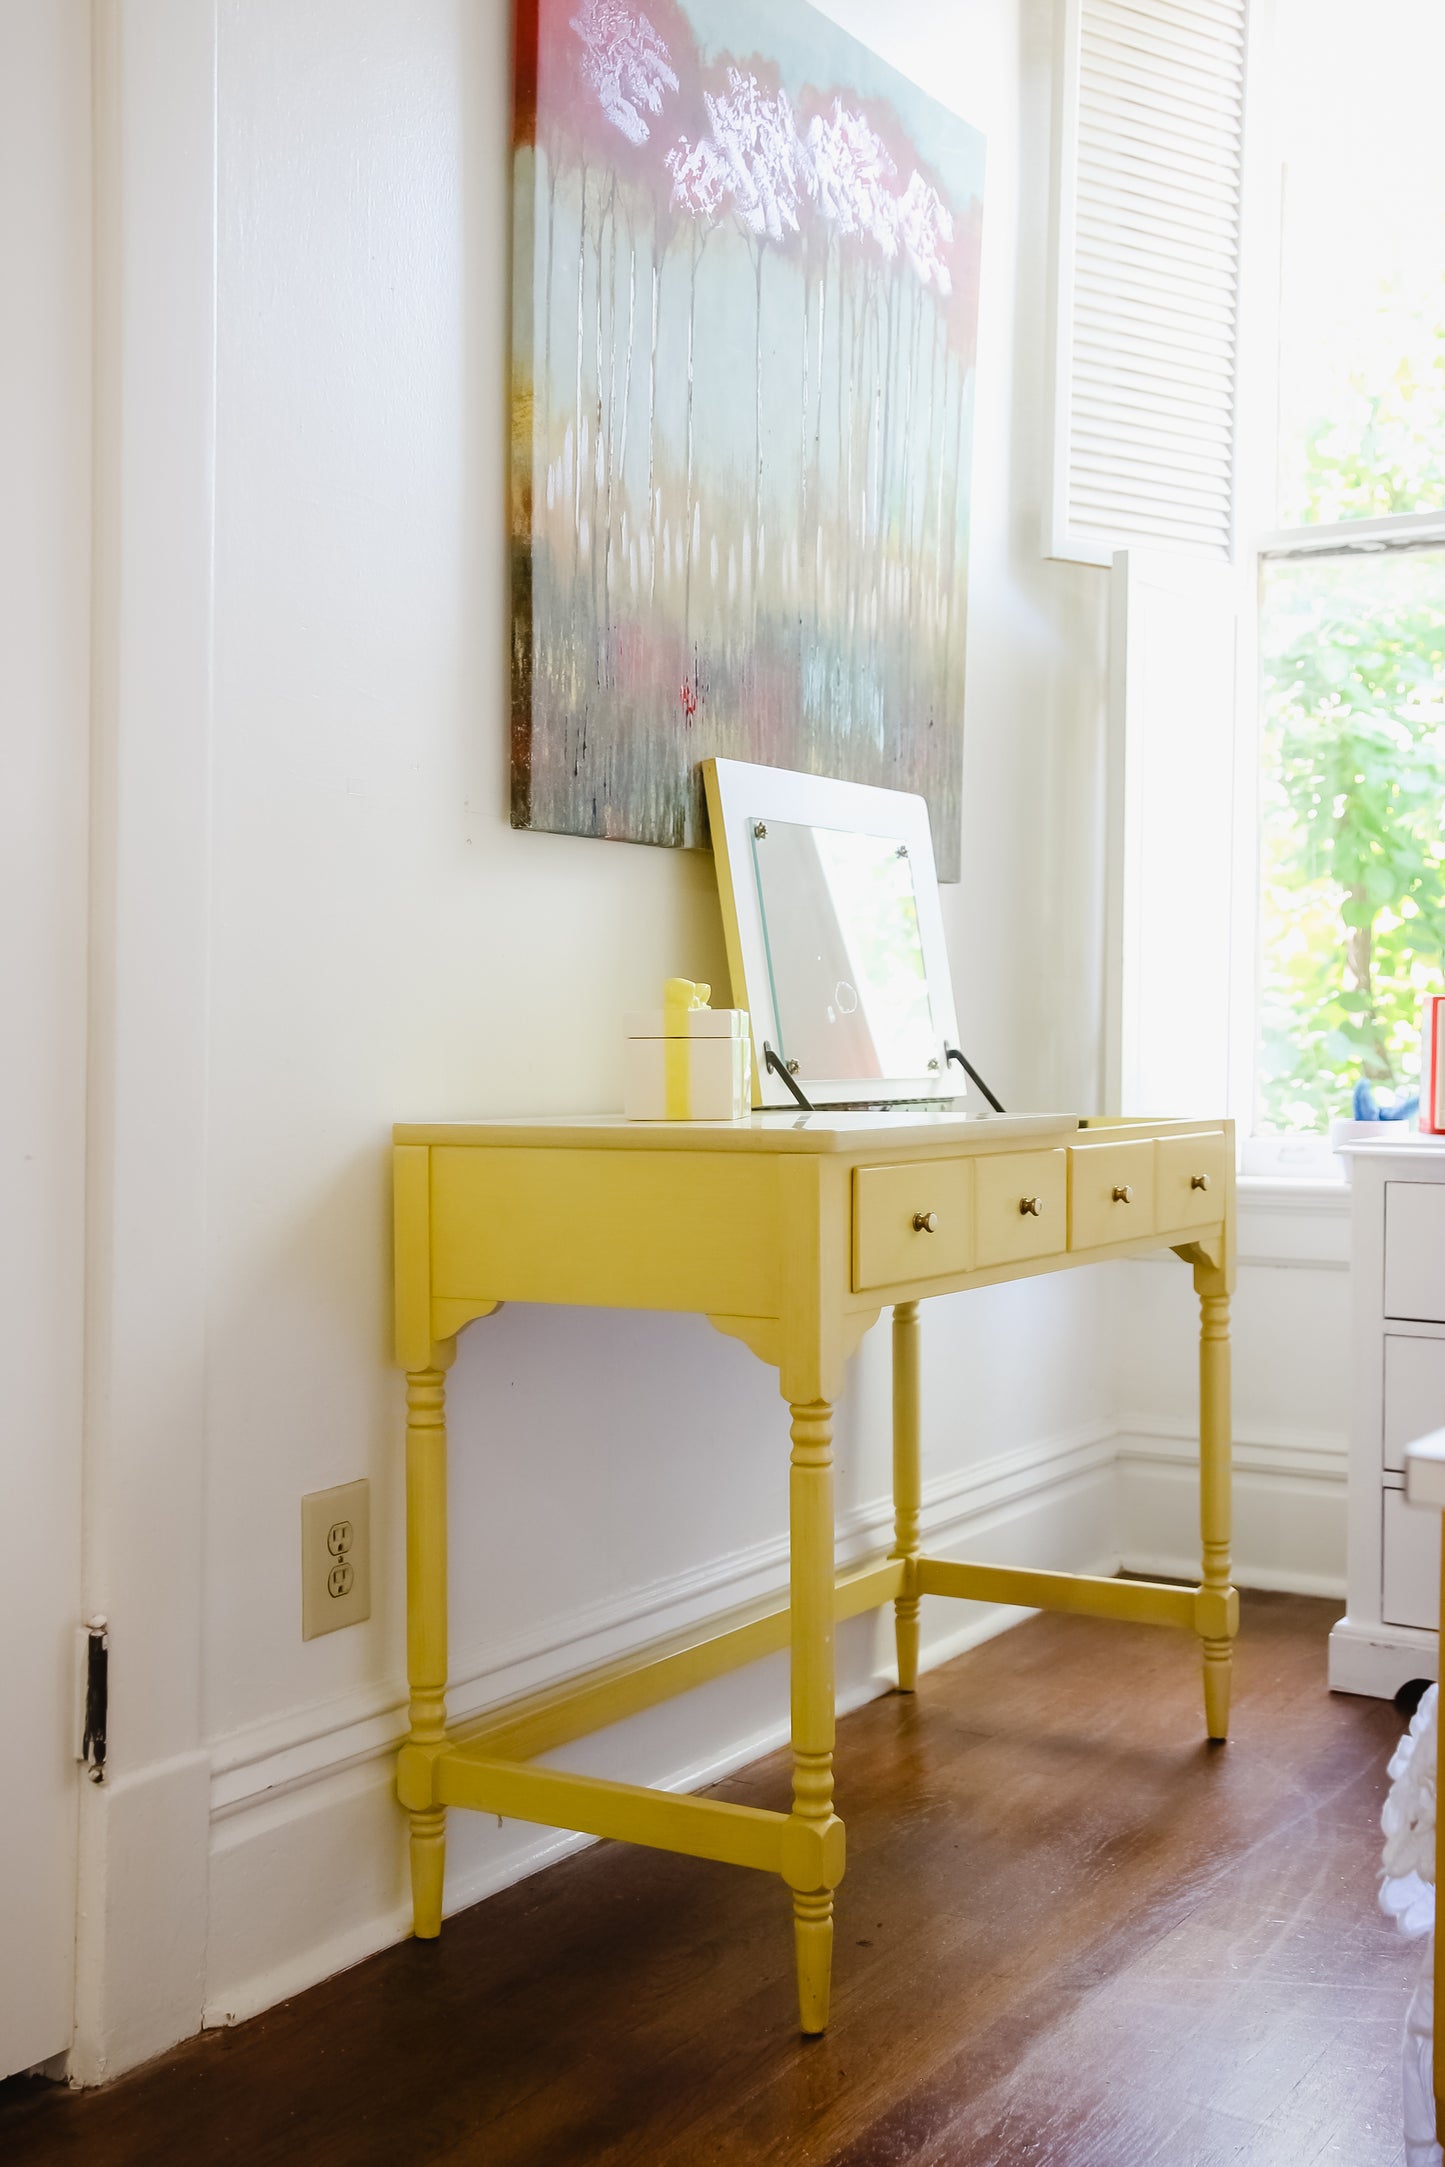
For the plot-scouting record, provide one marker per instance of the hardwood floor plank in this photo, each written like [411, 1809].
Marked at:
[1071, 1935]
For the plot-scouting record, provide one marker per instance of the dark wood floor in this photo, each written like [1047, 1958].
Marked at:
[1071, 1935]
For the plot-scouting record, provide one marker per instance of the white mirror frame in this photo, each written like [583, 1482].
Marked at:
[738, 794]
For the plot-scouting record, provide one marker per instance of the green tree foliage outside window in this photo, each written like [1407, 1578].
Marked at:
[1353, 652]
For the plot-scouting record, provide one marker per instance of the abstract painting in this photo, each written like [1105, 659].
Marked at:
[744, 318]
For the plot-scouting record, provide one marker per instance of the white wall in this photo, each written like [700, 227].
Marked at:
[384, 945]
[44, 718]
[1291, 1356]
[317, 921]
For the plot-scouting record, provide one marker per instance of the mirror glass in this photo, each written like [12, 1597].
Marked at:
[844, 952]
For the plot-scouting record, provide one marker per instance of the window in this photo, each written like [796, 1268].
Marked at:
[1250, 410]
[1352, 579]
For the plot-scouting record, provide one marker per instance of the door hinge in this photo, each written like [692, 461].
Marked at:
[92, 1696]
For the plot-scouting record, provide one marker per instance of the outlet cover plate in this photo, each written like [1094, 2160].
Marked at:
[335, 1558]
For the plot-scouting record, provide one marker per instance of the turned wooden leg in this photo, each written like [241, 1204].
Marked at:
[1218, 1602]
[811, 1515]
[907, 1485]
[426, 1622]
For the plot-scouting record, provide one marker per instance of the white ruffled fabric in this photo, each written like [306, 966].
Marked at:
[1407, 1894]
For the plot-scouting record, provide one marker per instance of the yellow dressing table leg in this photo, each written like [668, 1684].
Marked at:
[907, 1485]
[426, 1616]
[816, 1857]
[1218, 1604]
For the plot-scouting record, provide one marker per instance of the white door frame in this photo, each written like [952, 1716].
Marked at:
[141, 1942]
[45, 718]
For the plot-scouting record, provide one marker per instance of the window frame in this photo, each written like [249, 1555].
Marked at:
[1277, 1154]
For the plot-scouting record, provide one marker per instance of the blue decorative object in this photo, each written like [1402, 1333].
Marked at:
[1368, 1107]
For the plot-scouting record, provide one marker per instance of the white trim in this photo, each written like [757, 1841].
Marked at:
[1290, 1501]
[305, 1826]
[1278, 1154]
[296, 1847]
[1056, 540]
[145, 1334]
[1342, 537]
[273, 1831]
[268, 1758]
[1283, 1193]
[1265, 1449]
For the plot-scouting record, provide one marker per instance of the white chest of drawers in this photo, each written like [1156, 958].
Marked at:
[1398, 1275]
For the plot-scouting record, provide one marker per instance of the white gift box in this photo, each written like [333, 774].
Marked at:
[687, 1064]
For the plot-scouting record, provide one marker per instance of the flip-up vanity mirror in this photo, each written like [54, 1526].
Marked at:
[835, 942]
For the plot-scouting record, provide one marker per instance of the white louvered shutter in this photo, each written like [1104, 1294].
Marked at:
[1151, 155]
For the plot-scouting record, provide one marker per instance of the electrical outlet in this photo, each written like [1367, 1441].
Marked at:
[335, 1558]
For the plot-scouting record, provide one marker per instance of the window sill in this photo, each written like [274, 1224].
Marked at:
[1289, 1222]
[1295, 1192]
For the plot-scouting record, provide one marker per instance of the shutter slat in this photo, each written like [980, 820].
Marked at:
[1184, 309]
[1192, 412]
[1174, 174]
[1157, 526]
[1126, 229]
[1121, 343]
[1193, 45]
[1219, 71]
[1213, 154]
[1154, 483]
[1101, 90]
[1153, 272]
[1101, 421]
[1150, 446]
[1210, 15]
[1196, 330]
[1201, 97]
[1119, 182]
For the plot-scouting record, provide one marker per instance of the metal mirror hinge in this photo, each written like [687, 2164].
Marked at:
[774, 1061]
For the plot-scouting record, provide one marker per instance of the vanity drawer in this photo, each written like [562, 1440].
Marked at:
[1190, 1174]
[1020, 1205]
[892, 1209]
[1111, 1193]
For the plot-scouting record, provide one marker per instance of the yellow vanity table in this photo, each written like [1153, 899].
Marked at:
[790, 1232]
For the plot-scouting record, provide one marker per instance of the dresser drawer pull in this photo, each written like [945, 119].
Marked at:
[1031, 1207]
[1199, 1181]
[925, 1222]
[1123, 1194]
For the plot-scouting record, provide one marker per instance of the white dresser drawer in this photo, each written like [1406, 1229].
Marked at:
[1414, 1392]
[1411, 1591]
[1415, 1250]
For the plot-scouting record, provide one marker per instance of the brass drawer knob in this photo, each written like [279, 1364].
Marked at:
[925, 1222]
[1030, 1207]
[1199, 1181]
[1123, 1194]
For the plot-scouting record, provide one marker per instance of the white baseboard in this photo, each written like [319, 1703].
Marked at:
[141, 1929]
[308, 1870]
[1289, 1506]
[308, 1867]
